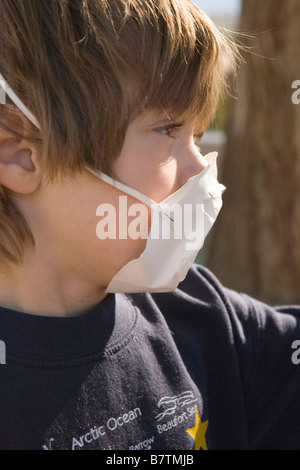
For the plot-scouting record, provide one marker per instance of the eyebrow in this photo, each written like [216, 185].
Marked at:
[161, 123]
[163, 119]
[158, 115]
[154, 117]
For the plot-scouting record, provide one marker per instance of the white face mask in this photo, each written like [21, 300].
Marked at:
[165, 261]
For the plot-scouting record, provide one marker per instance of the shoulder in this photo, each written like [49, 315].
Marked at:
[201, 294]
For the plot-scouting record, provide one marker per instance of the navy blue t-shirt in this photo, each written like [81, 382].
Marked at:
[199, 368]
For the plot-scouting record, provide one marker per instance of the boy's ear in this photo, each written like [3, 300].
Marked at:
[20, 163]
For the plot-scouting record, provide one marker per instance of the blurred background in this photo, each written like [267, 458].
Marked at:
[226, 14]
[254, 246]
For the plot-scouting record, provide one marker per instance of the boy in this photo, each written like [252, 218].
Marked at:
[103, 350]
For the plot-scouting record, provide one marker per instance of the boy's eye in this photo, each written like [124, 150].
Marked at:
[171, 129]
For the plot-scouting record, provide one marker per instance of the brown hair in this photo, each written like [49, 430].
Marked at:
[86, 68]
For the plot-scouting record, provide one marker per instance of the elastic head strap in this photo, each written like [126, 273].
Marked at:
[16, 100]
[123, 187]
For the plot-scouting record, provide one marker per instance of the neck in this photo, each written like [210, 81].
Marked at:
[41, 288]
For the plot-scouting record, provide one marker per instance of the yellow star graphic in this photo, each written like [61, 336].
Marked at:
[198, 432]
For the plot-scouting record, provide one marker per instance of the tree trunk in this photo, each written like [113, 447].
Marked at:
[255, 245]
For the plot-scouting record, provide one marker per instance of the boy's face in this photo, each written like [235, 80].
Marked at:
[158, 156]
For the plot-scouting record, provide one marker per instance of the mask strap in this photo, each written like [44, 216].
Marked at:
[16, 100]
[123, 187]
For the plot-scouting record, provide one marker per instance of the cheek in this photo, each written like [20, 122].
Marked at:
[163, 181]
[148, 166]
[154, 177]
